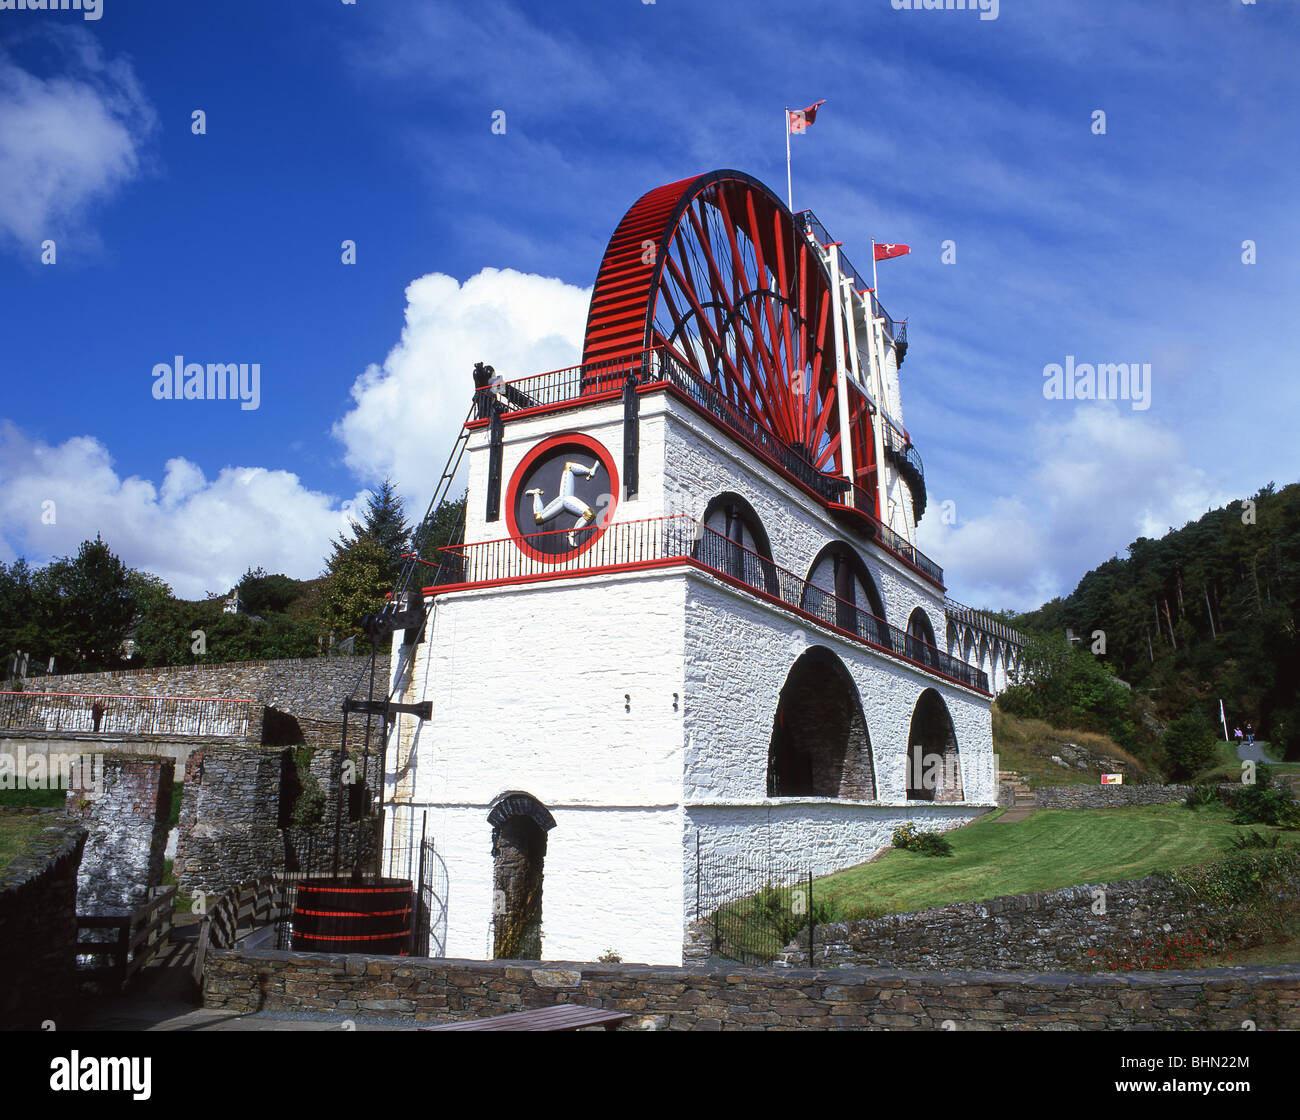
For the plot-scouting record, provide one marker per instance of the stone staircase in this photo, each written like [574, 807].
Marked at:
[1014, 791]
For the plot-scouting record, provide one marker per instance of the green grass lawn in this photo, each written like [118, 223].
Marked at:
[15, 831]
[1051, 848]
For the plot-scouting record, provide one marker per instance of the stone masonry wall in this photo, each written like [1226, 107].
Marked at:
[310, 687]
[702, 998]
[1106, 797]
[125, 802]
[230, 823]
[38, 923]
[1041, 930]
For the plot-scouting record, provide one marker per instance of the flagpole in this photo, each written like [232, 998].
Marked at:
[789, 191]
[875, 282]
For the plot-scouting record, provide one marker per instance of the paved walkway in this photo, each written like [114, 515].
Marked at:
[1249, 753]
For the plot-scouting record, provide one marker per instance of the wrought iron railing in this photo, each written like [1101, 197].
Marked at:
[986, 624]
[133, 715]
[659, 367]
[895, 329]
[661, 540]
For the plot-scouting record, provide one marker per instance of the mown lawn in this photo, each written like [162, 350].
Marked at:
[14, 833]
[1050, 848]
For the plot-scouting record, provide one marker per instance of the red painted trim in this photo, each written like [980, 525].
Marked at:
[526, 464]
[690, 562]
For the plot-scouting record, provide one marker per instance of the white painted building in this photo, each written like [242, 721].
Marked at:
[675, 636]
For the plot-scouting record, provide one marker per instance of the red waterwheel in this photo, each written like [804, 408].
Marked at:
[713, 270]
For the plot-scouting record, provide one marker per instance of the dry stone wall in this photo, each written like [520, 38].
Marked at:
[1107, 797]
[704, 998]
[38, 922]
[1042, 930]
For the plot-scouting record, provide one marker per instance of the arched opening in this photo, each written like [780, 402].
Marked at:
[819, 745]
[736, 543]
[954, 640]
[842, 592]
[519, 826]
[920, 638]
[933, 761]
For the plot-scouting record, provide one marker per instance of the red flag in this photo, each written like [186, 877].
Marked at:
[884, 251]
[800, 119]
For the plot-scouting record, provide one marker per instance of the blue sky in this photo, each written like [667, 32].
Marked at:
[373, 122]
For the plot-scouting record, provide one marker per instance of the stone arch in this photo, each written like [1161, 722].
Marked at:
[954, 641]
[737, 543]
[820, 746]
[520, 824]
[998, 681]
[968, 651]
[841, 588]
[920, 641]
[933, 759]
[985, 662]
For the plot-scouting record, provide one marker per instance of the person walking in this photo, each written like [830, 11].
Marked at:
[1237, 735]
[1250, 734]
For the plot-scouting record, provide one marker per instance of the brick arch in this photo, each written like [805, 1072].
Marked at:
[520, 824]
[933, 757]
[738, 543]
[820, 746]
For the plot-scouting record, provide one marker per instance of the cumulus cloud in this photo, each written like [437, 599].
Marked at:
[198, 534]
[67, 141]
[1098, 479]
[407, 412]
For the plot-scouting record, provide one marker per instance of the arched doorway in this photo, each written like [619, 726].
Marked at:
[519, 826]
[819, 745]
[933, 760]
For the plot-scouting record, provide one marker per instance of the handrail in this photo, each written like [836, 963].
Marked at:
[628, 545]
[121, 713]
[657, 366]
[978, 620]
[895, 329]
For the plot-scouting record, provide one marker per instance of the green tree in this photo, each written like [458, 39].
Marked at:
[444, 525]
[263, 594]
[1190, 746]
[384, 523]
[86, 606]
[357, 583]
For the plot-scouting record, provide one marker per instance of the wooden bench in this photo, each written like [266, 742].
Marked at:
[561, 1017]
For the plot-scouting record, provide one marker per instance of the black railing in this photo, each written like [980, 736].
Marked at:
[982, 622]
[896, 330]
[133, 715]
[664, 539]
[751, 913]
[656, 367]
[908, 460]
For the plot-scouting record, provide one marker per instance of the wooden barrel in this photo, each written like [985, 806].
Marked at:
[336, 916]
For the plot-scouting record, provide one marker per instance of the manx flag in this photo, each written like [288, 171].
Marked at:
[800, 119]
[884, 251]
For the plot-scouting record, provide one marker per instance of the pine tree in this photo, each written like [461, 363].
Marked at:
[384, 524]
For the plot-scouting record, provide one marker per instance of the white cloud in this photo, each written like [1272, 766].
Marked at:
[1098, 479]
[407, 413]
[198, 534]
[67, 141]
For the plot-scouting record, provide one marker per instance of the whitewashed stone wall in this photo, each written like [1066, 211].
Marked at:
[565, 691]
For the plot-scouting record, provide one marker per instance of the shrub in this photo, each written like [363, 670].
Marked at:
[911, 839]
[1157, 953]
[1251, 840]
[1265, 802]
[1190, 746]
[1203, 794]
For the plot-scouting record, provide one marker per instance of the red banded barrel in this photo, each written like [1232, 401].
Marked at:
[336, 916]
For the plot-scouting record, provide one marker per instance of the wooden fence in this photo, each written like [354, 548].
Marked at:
[259, 902]
[138, 937]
